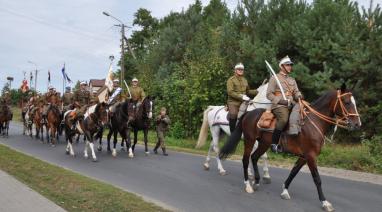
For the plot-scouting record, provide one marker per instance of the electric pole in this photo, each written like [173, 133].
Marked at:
[122, 53]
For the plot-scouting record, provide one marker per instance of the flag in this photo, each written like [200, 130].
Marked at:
[49, 76]
[109, 79]
[65, 76]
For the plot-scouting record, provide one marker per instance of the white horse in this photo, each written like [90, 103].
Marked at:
[215, 117]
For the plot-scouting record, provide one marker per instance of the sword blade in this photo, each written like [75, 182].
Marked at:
[269, 67]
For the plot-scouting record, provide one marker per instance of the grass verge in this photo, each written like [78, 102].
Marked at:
[67, 189]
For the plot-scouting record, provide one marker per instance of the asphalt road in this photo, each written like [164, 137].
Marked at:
[179, 182]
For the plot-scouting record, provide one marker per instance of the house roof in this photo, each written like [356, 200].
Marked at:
[97, 82]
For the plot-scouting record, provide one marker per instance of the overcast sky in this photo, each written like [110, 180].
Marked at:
[50, 33]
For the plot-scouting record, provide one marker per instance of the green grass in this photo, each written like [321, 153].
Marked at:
[67, 189]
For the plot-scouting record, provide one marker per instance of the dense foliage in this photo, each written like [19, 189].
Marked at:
[185, 58]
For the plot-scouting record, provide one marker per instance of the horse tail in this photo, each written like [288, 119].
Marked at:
[232, 142]
[204, 129]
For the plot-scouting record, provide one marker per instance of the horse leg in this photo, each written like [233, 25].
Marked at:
[91, 144]
[86, 148]
[260, 149]
[266, 176]
[145, 131]
[296, 168]
[115, 140]
[311, 160]
[248, 144]
[215, 147]
[99, 135]
[128, 144]
[206, 164]
[108, 139]
[135, 139]
[53, 132]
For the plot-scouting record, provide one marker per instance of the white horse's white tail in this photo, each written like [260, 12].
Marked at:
[204, 129]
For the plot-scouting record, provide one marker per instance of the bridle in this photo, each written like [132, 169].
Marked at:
[341, 121]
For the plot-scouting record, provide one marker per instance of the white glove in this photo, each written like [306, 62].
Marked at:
[245, 97]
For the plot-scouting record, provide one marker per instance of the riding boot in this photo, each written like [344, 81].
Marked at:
[164, 151]
[275, 147]
[232, 125]
[155, 150]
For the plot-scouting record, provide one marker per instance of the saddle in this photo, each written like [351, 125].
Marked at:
[267, 121]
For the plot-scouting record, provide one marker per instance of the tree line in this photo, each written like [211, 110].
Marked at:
[185, 58]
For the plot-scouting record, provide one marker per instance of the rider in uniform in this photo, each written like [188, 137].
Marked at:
[137, 93]
[281, 107]
[238, 92]
[82, 98]
[67, 99]
[48, 102]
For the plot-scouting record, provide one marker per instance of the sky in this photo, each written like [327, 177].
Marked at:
[45, 34]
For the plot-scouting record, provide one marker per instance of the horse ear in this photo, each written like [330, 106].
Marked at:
[343, 87]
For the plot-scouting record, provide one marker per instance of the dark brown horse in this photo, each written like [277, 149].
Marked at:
[141, 121]
[5, 117]
[334, 107]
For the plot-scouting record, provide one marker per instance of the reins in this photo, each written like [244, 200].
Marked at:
[341, 122]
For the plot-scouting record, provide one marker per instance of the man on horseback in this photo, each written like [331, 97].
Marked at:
[137, 93]
[48, 101]
[82, 98]
[282, 107]
[238, 91]
[5, 101]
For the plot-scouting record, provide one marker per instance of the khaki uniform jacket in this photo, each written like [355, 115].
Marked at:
[137, 93]
[163, 123]
[236, 87]
[68, 99]
[289, 86]
[82, 97]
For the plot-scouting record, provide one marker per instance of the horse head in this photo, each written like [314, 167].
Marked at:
[345, 108]
[147, 106]
[102, 112]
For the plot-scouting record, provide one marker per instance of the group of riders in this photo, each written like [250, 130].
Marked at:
[239, 94]
[79, 100]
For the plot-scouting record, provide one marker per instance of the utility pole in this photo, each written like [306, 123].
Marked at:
[122, 53]
[35, 80]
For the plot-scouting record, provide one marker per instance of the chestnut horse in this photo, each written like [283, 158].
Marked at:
[334, 107]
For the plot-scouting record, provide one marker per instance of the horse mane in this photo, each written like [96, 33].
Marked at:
[323, 98]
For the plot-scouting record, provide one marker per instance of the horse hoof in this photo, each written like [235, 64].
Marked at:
[249, 189]
[147, 153]
[206, 166]
[99, 149]
[131, 155]
[267, 180]
[123, 150]
[223, 172]
[95, 160]
[327, 206]
[114, 154]
[256, 187]
[285, 194]
[86, 157]
[67, 152]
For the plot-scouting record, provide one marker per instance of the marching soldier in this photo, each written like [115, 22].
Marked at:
[281, 107]
[82, 98]
[238, 92]
[137, 93]
[162, 122]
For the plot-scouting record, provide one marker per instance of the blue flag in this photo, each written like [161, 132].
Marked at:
[65, 75]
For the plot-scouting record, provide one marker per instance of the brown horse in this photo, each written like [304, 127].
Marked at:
[37, 120]
[53, 119]
[5, 117]
[334, 107]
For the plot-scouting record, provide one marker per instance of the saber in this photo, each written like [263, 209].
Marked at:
[269, 67]
[128, 90]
